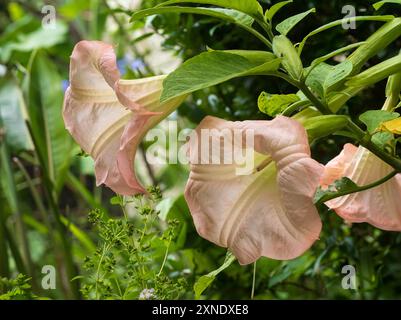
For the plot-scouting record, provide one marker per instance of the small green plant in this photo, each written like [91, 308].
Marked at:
[16, 289]
[131, 260]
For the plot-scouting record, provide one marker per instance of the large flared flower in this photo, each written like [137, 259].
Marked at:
[267, 212]
[108, 117]
[379, 206]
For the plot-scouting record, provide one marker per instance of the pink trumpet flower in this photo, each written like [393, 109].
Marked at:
[267, 212]
[379, 206]
[108, 117]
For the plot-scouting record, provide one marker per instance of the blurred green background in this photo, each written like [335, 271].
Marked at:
[47, 186]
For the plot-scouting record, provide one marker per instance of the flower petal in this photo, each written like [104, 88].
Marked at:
[379, 206]
[335, 169]
[268, 213]
[108, 117]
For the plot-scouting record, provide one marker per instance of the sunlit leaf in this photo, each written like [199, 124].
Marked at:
[211, 68]
[251, 7]
[230, 15]
[274, 104]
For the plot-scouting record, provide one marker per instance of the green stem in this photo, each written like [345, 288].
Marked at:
[253, 281]
[295, 107]
[4, 266]
[322, 107]
[165, 258]
[14, 251]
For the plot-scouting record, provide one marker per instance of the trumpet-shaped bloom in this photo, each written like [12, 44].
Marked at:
[379, 206]
[268, 212]
[108, 117]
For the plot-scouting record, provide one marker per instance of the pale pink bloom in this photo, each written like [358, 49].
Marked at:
[379, 206]
[269, 212]
[108, 117]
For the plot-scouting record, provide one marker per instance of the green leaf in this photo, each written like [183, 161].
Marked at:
[286, 26]
[337, 74]
[38, 39]
[323, 78]
[379, 4]
[230, 15]
[317, 77]
[345, 185]
[383, 139]
[339, 23]
[274, 104]
[269, 15]
[205, 281]
[294, 267]
[250, 7]
[45, 99]
[283, 48]
[212, 68]
[11, 116]
[117, 201]
[374, 118]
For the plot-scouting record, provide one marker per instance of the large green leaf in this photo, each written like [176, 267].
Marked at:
[251, 7]
[11, 116]
[288, 24]
[211, 68]
[45, 100]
